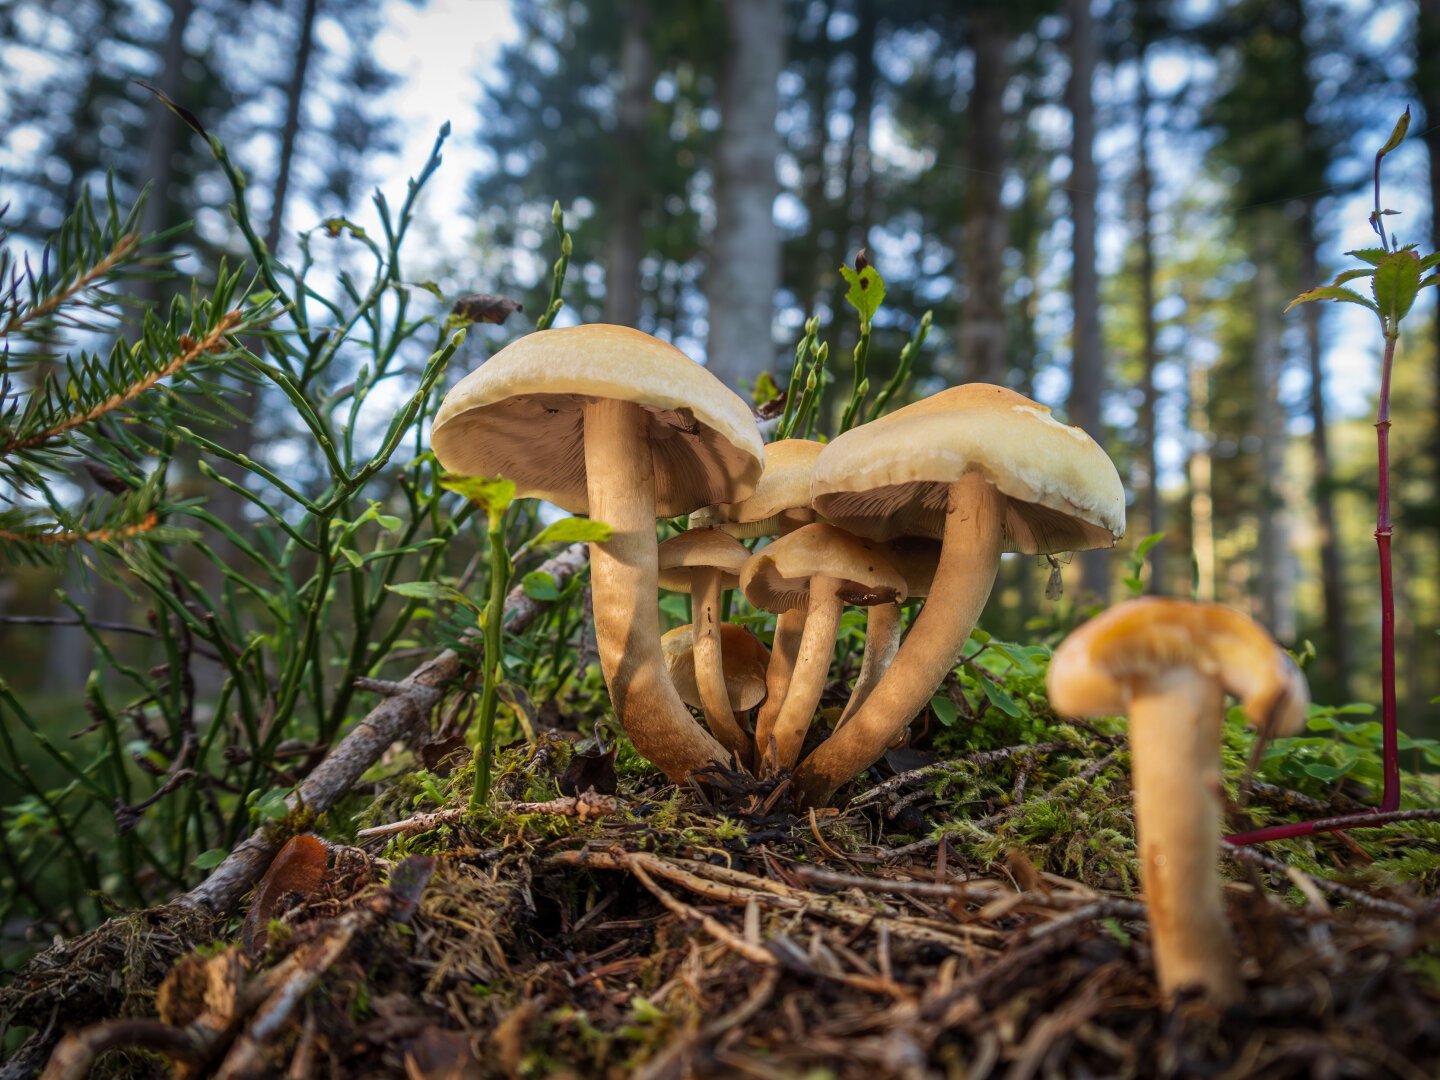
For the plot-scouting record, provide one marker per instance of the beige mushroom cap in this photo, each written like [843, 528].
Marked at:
[777, 577]
[780, 502]
[701, 549]
[890, 477]
[521, 415]
[746, 659]
[1096, 668]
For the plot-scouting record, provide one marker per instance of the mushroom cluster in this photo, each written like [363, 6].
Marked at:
[610, 422]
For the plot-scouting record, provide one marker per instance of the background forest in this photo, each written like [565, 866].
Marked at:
[1105, 204]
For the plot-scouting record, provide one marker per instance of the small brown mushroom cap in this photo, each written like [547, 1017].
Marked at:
[701, 549]
[1095, 670]
[746, 659]
[890, 477]
[777, 577]
[521, 415]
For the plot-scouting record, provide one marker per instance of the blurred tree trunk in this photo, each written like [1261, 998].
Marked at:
[1334, 659]
[859, 195]
[1199, 471]
[166, 129]
[1427, 83]
[1274, 575]
[1145, 182]
[744, 271]
[290, 132]
[625, 235]
[1086, 372]
[981, 336]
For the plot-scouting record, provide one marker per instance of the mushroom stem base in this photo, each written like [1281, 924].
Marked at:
[807, 682]
[969, 558]
[789, 628]
[1175, 723]
[625, 583]
[710, 666]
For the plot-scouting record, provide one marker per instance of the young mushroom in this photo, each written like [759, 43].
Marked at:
[819, 568]
[607, 421]
[1168, 665]
[779, 504]
[745, 661]
[916, 559]
[983, 469]
[704, 563]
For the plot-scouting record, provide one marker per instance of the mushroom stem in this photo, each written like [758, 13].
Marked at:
[1175, 721]
[710, 665]
[789, 628]
[807, 682]
[624, 580]
[882, 639]
[969, 558]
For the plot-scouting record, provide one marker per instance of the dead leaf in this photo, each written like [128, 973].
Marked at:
[298, 869]
[484, 308]
[590, 770]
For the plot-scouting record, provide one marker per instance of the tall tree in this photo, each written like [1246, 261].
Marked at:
[982, 331]
[290, 129]
[744, 271]
[1086, 369]
[1427, 83]
[1145, 195]
[625, 238]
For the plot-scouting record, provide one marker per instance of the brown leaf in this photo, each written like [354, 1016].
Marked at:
[442, 755]
[485, 308]
[407, 884]
[298, 869]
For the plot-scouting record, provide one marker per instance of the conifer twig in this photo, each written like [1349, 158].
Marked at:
[190, 349]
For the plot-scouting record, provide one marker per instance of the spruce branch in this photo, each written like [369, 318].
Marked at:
[61, 537]
[21, 316]
[190, 350]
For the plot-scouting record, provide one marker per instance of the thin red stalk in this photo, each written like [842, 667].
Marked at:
[1390, 799]
[1390, 744]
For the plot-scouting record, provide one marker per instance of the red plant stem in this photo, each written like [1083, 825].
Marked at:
[1390, 799]
[1390, 738]
[1364, 819]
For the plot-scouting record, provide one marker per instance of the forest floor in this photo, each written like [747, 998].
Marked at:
[971, 917]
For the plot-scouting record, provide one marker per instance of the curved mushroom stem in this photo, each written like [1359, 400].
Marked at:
[1175, 722]
[624, 579]
[969, 558]
[882, 639]
[710, 665]
[807, 682]
[789, 628]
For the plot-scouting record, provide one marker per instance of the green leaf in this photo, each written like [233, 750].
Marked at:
[1144, 547]
[979, 636]
[1350, 275]
[867, 291]
[1327, 772]
[1332, 292]
[1433, 279]
[352, 558]
[1397, 281]
[1397, 134]
[999, 698]
[575, 530]
[765, 389]
[539, 585]
[433, 591]
[1430, 260]
[1373, 256]
[492, 494]
[208, 860]
[944, 710]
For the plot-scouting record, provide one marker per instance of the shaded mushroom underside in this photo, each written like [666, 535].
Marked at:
[918, 508]
[538, 441]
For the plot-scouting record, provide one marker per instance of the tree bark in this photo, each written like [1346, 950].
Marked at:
[1427, 82]
[981, 336]
[1334, 659]
[744, 271]
[1276, 609]
[1086, 371]
[1145, 182]
[290, 132]
[625, 236]
[166, 129]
